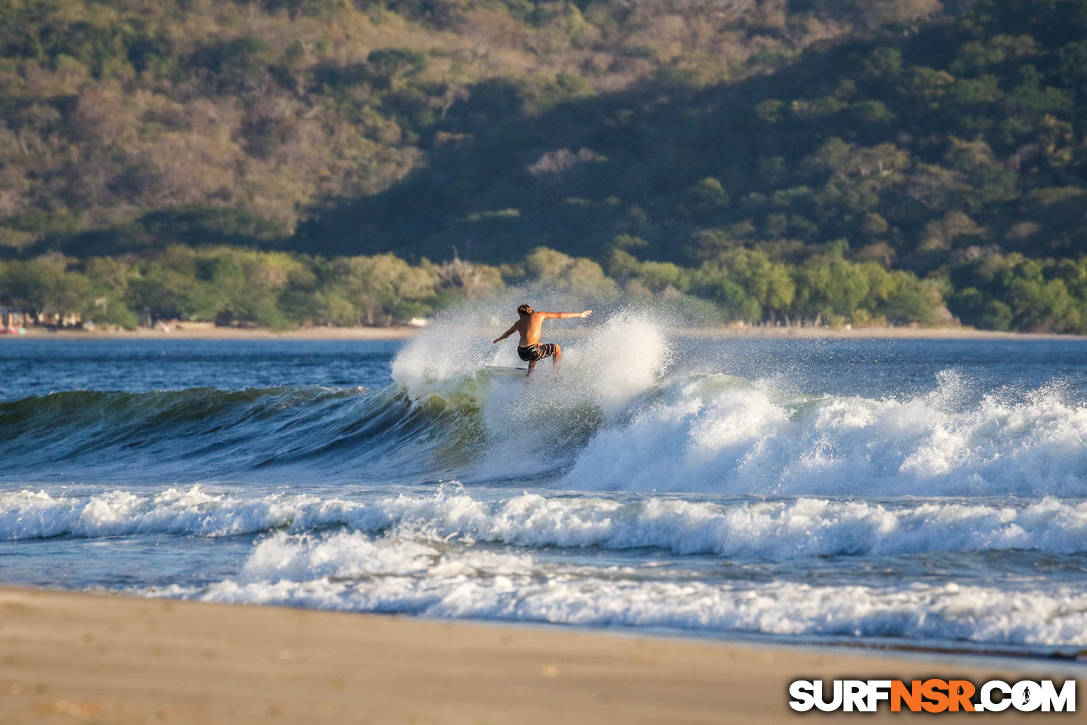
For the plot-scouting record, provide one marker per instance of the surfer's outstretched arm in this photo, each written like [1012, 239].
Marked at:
[504, 335]
[565, 315]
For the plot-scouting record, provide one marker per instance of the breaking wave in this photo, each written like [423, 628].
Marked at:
[355, 572]
[603, 422]
[762, 529]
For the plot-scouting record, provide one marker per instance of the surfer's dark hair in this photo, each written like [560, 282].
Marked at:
[525, 310]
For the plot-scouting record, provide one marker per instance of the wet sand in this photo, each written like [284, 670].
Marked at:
[93, 658]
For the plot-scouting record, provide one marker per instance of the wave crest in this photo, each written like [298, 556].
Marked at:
[777, 530]
[355, 572]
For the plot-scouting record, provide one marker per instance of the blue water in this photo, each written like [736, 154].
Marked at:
[912, 492]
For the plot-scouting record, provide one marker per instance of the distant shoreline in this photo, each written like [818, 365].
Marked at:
[905, 333]
[203, 331]
[207, 332]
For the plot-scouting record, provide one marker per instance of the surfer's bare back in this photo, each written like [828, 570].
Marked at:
[529, 322]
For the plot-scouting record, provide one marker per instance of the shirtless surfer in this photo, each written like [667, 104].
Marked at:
[529, 322]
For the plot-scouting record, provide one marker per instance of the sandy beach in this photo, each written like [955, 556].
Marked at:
[112, 659]
[208, 331]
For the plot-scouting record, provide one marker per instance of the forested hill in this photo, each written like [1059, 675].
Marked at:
[942, 141]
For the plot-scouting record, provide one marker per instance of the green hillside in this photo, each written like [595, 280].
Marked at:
[830, 160]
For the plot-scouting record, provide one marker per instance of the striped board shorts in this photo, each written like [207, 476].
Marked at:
[536, 351]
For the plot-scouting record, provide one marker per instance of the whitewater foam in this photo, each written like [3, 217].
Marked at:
[708, 433]
[195, 511]
[616, 420]
[776, 530]
[532, 425]
[356, 572]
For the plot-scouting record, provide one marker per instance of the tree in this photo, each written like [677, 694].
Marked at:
[384, 288]
[579, 275]
[392, 65]
[44, 286]
[828, 286]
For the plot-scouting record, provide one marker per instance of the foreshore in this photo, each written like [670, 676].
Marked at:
[115, 659]
[205, 331]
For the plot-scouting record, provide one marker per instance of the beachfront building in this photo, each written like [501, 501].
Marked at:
[13, 318]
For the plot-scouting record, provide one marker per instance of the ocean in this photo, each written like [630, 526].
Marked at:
[873, 492]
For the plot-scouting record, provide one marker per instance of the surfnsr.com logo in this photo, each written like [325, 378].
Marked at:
[932, 695]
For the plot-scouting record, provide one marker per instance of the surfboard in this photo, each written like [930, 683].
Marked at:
[504, 370]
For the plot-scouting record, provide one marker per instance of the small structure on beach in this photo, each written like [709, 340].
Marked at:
[13, 318]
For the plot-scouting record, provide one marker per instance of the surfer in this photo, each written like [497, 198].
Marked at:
[529, 322]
